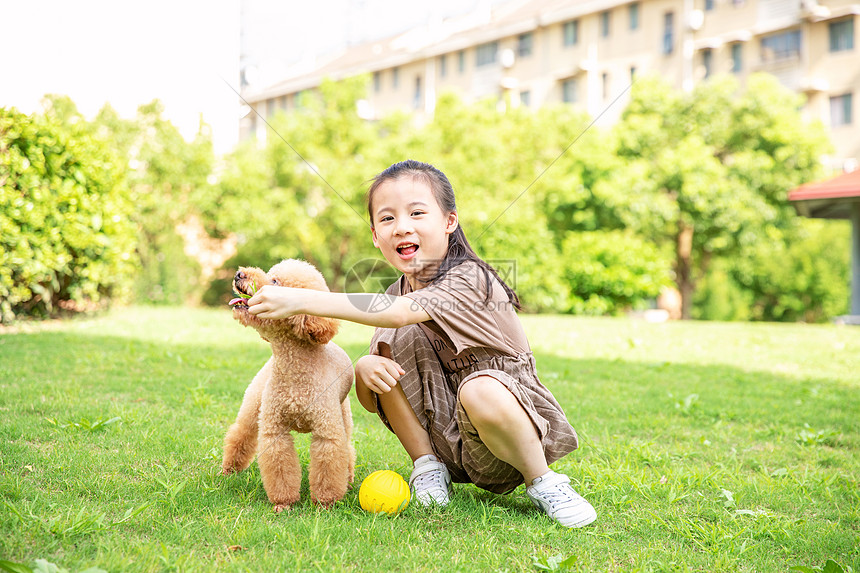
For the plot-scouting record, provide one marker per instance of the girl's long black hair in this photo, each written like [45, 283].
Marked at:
[459, 250]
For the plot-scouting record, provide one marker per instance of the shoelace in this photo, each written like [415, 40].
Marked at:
[428, 480]
[560, 495]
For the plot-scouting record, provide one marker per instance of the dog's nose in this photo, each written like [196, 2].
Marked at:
[240, 275]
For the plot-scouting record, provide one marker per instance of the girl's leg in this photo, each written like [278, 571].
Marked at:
[404, 409]
[404, 422]
[430, 479]
[507, 431]
[503, 426]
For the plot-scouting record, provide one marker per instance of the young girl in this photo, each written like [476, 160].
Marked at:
[450, 370]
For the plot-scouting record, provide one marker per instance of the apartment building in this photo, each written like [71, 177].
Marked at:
[586, 53]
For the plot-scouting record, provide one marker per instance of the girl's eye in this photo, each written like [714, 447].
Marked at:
[414, 213]
[387, 218]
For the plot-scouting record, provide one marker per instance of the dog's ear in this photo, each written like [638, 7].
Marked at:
[315, 329]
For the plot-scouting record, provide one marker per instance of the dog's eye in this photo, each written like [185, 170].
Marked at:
[274, 281]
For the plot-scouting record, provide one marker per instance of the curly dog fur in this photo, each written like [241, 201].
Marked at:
[304, 388]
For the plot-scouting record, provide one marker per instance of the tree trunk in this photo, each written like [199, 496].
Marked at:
[684, 269]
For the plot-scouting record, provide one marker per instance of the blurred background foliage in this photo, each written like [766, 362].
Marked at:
[687, 190]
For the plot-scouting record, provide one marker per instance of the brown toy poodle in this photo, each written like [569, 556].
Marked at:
[303, 387]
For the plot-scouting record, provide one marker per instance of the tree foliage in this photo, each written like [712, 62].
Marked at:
[298, 197]
[166, 177]
[714, 167]
[804, 278]
[66, 241]
[689, 187]
[302, 194]
[611, 271]
[682, 181]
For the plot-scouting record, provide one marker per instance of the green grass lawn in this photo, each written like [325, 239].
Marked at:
[705, 447]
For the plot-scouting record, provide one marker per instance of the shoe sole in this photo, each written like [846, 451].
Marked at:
[587, 521]
[433, 501]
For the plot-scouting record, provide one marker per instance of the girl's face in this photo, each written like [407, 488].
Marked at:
[410, 228]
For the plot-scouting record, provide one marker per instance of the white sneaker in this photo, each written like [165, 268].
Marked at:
[430, 481]
[552, 493]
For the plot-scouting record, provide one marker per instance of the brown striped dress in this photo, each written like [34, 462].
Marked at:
[468, 336]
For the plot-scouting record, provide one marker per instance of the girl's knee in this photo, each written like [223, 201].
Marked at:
[487, 400]
[471, 393]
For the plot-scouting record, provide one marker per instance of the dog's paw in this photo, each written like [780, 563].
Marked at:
[282, 507]
[326, 503]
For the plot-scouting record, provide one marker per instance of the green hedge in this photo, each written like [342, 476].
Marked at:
[612, 271]
[65, 237]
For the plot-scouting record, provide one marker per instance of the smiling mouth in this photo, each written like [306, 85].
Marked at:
[407, 249]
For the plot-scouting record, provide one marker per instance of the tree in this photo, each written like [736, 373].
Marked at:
[493, 159]
[302, 194]
[314, 207]
[167, 177]
[700, 175]
[708, 171]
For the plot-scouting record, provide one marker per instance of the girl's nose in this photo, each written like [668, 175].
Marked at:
[403, 227]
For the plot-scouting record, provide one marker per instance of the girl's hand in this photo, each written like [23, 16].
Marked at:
[379, 374]
[276, 302]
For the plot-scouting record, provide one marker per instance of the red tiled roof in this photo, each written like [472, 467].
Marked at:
[841, 187]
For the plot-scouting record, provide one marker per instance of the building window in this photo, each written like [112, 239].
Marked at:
[443, 66]
[416, 100]
[526, 98]
[395, 78]
[377, 82]
[524, 44]
[668, 33]
[570, 31]
[461, 61]
[840, 110]
[634, 16]
[569, 91]
[708, 61]
[485, 54]
[841, 35]
[781, 46]
[709, 5]
[604, 80]
[737, 57]
[604, 23]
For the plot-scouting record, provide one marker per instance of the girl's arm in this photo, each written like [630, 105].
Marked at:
[380, 310]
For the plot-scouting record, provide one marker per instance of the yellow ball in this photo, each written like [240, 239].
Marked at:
[384, 491]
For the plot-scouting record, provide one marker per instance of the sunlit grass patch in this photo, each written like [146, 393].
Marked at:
[704, 447]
